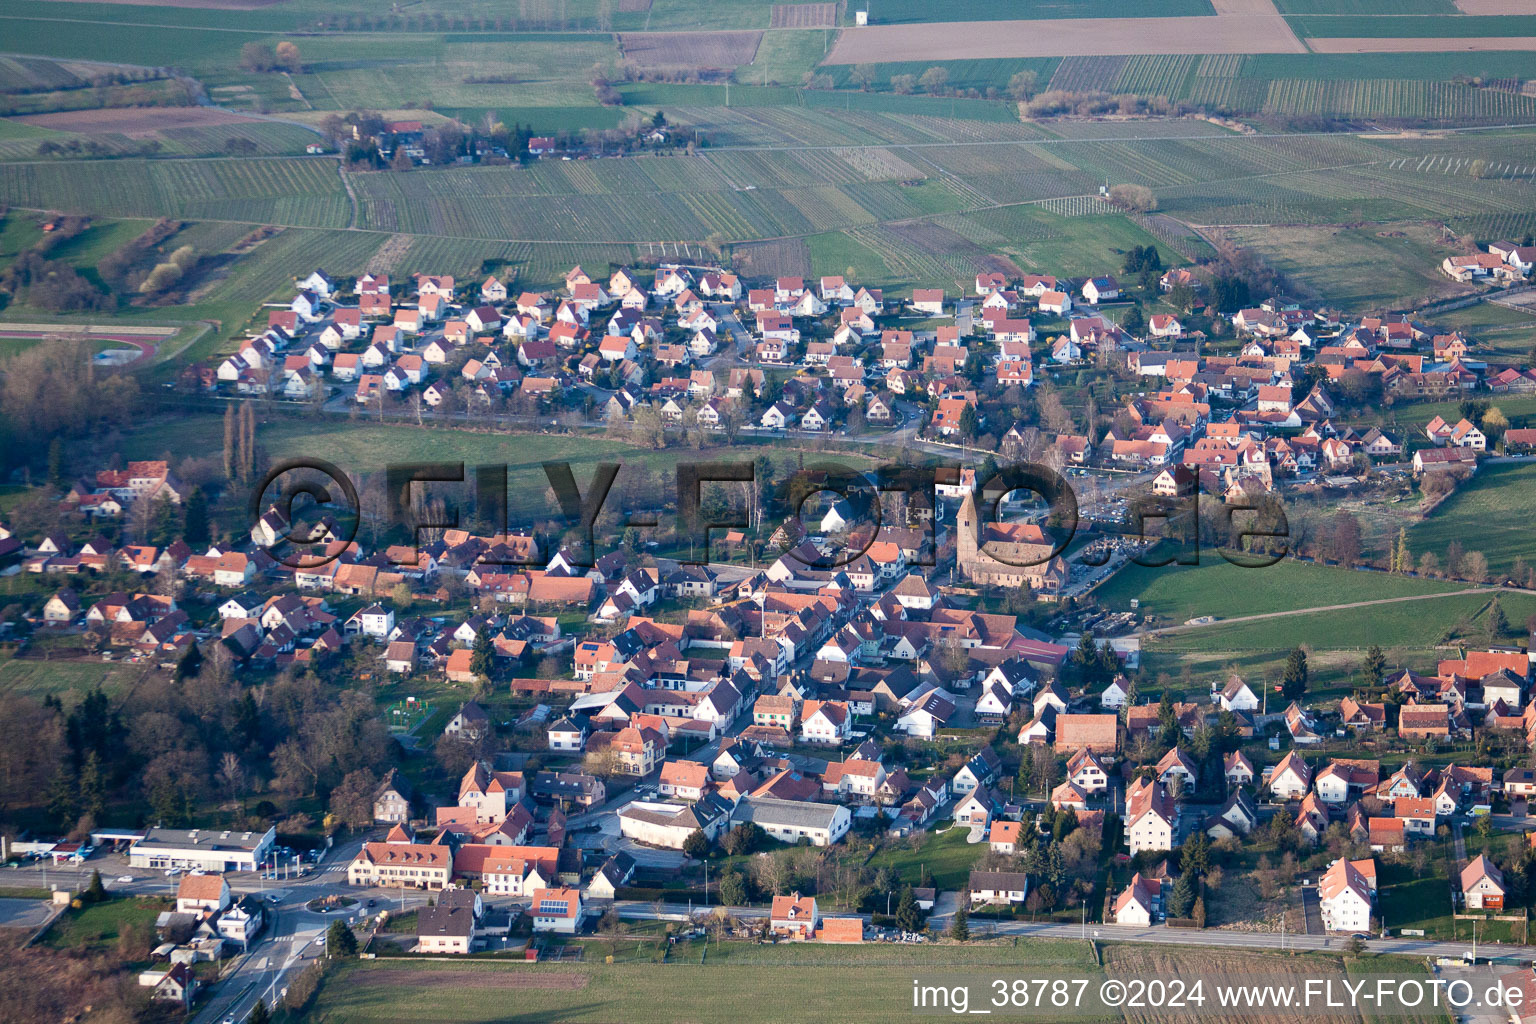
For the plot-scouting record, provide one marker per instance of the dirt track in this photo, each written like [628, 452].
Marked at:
[404, 977]
[1414, 45]
[1240, 26]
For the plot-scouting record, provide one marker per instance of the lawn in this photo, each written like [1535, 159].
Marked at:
[1176, 593]
[751, 979]
[1490, 513]
[946, 854]
[40, 678]
[96, 926]
[1410, 899]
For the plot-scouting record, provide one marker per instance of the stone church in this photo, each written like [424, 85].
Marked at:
[1016, 542]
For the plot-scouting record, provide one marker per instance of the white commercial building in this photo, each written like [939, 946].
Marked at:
[202, 849]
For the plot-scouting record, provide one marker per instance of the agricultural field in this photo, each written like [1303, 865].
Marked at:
[1404, 259]
[690, 50]
[1408, 26]
[897, 12]
[1495, 507]
[804, 15]
[304, 192]
[782, 58]
[752, 978]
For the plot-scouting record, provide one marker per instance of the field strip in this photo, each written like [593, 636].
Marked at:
[103, 329]
[1239, 26]
[1484, 44]
[1495, 6]
[140, 24]
[1166, 630]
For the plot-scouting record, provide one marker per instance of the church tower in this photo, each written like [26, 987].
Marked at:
[966, 526]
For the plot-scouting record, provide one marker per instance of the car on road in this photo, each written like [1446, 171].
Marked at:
[229, 1020]
[373, 903]
[125, 878]
[274, 898]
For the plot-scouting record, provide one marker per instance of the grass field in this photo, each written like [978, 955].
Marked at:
[37, 679]
[1175, 593]
[1403, 257]
[1490, 513]
[947, 855]
[847, 983]
[1403, 624]
[844, 983]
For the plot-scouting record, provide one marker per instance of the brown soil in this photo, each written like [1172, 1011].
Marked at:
[804, 16]
[132, 120]
[690, 49]
[1240, 26]
[1496, 6]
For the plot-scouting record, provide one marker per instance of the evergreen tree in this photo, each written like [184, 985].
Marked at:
[1132, 695]
[1498, 624]
[1166, 717]
[1293, 686]
[1182, 896]
[229, 442]
[259, 1013]
[908, 917]
[196, 531]
[960, 926]
[1135, 322]
[339, 940]
[1375, 664]
[1195, 855]
[1402, 557]
[56, 462]
[93, 786]
[95, 892]
[480, 658]
[696, 845]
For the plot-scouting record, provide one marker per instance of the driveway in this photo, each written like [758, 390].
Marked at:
[28, 914]
[1313, 910]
